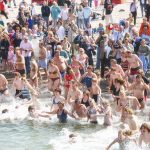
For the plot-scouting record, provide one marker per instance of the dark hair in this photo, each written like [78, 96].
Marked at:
[68, 70]
[138, 76]
[4, 111]
[146, 126]
[58, 90]
[119, 81]
[30, 108]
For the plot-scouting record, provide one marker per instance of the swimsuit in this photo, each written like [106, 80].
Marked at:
[21, 71]
[85, 103]
[23, 94]
[95, 97]
[124, 65]
[68, 78]
[62, 73]
[62, 117]
[141, 100]
[54, 79]
[92, 112]
[2, 91]
[76, 67]
[87, 81]
[134, 71]
[54, 73]
[43, 63]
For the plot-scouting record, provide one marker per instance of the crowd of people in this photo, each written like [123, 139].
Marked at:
[60, 46]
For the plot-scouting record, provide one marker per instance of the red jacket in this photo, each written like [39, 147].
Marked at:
[2, 6]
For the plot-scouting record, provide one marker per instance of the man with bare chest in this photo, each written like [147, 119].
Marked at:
[43, 58]
[20, 62]
[60, 62]
[113, 75]
[3, 85]
[138, 89]
[134, 63]
[117, 67]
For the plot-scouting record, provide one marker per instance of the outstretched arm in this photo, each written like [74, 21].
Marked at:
[112, 143]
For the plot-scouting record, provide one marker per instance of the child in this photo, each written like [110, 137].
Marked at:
[11, 58]
[124, 137]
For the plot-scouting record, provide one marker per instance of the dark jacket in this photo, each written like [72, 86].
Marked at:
[108, 7]
[147, 10]
[45, 11]
[145, 1]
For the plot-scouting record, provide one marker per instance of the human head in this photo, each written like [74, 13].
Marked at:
[59, 48]
[57, 91]
[68, 70]
[145, 128]
[41, 44]
[138, 78]
[31, 109]
[51, 62]
[25, 39]
[17, 50]
[113, 62]
[86, 94]
[128, 112]
[61, 105]
[57, 53]
[105, 104]
[90, 68]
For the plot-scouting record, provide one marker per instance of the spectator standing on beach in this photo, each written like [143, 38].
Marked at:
[142, 5]
[87, 12]
[55, 13]
[45, 12]
[147, 10]
[108, 7]
[133, 10]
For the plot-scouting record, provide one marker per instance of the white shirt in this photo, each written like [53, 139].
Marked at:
[64, 14]
[133, 7]
[80, 14]
[107, 50]
[26, 46]
[142, 1]
[87, 12]
[61, 33]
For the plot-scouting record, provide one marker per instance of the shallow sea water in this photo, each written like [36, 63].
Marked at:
[18, 133]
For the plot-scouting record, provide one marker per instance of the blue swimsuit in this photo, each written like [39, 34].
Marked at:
[62, 117]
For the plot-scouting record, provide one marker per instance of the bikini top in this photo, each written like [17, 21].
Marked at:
[75, 66]
[92, 111]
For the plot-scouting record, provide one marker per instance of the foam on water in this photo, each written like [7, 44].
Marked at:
[89, 137]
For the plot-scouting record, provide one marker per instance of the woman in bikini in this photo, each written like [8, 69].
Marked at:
[54, 76]
[69, 76]
[34, 74]
[92, 112]
[83, 59]
[76, 65]
[56, 99]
